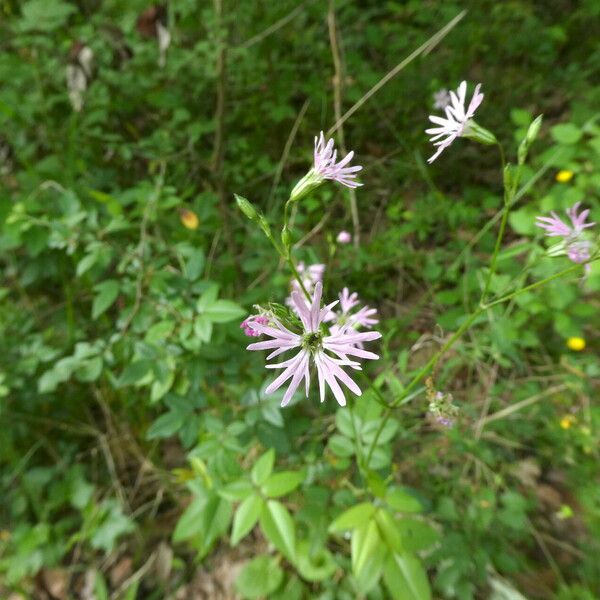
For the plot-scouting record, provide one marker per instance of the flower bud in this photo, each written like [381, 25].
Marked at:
[475, 132]
[311, 181]
[246, 208]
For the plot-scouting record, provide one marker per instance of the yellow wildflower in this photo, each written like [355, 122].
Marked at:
[564, 176]
[189, 219]
[567, 421]
[577, 344]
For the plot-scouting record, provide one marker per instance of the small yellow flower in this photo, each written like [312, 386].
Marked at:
[577, 344]
[189, 219]
[564, 176]
[484, 503]
[567, 421]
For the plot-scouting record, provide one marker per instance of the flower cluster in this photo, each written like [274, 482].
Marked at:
[573, 243]
[441, 406]
[328, 352]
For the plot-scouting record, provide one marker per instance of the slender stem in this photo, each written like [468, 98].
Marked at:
[459, 332]
[286, 253]
[357, 444]
[505, 210]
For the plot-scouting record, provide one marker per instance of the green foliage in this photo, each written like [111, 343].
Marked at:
[134, 419]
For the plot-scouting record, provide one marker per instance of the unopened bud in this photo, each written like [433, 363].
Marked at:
[246, 207]
[475, 132]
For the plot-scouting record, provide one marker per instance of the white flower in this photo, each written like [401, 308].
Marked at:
[456, 121]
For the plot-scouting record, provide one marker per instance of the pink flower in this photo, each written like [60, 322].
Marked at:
[364, 317]
[310, 276]
[578, 250]
[457, 118]
[325, 166]
[245, 324]
[344, 237]
[328, 353]
[441, 99]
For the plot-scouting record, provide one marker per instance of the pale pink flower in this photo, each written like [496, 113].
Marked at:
[344, 237]
[325, 166]
[245, 324]
[310, 275]
[578, 250]
[328, 353]
[364, 317]
[456, 120]
[441, 99]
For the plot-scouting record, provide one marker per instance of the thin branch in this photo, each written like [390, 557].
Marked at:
[425, 48]
[338, 86]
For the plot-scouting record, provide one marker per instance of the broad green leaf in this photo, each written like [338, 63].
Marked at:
[364, 544]
[166, 425]
[280, 484]
[417, 535]
[354, 517]
[405, 578]
[387, 433]
[223, 311]
[259, 578]
[402, 501]
[208, 297]
[278, 527]
[106, 293]
[566, 133]
[246, 517]
[263, 467]
[237, 490]
[203, 328]
[341, 446]
[159, 331]
[190, 523]
[388, 530]
[45, 15]
[135, 372]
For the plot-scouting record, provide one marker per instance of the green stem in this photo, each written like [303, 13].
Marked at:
[507, 198]
[287, 254]
[459, 332]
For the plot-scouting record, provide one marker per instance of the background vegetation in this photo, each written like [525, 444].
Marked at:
[134, 423]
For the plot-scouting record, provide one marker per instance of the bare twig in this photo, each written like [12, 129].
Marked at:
[219, 139]
[424, 48]
[259, 37]
[338, 86]
[286, 151]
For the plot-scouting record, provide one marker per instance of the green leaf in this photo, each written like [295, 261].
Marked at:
[403, 502]
[106, 293]
[208, 297]
[405, 578]
[341, 446]
[566, 133]
[135, 372]
[100, 587]
[159, 331]
[263, 467]
[314, 565]
[278, 527]
[246, 517]
[364, 544]
[354, 517]
[388, 530]
[45, 15]
[190, 523]
[282, 483]
[417, 535]
[203, 328]
[259, 578]
[223, 311]
[166, 425]
[237, 490]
